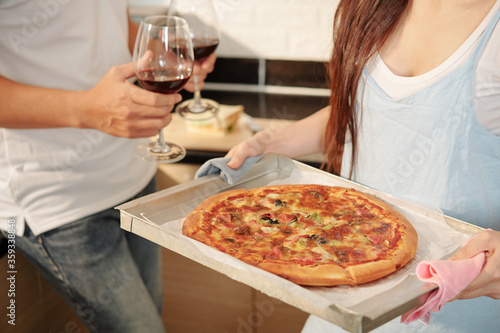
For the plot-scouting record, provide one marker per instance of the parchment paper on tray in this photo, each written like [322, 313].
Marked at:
[430, 226]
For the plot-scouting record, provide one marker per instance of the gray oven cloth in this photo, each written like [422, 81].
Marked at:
[230, 176]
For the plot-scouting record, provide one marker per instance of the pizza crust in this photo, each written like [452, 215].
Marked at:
[331, 274]
[324, 275]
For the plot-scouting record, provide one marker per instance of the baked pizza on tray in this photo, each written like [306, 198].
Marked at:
[312, 235]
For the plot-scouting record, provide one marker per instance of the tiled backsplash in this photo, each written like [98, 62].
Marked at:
[269, 88]
[235, 70]
[271, 57]
[264, 29]
[310, 74]
[285, 73]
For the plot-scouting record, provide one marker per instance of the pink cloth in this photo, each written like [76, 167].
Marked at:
[451, 277]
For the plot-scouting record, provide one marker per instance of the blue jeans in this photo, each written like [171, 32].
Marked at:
[109, 277]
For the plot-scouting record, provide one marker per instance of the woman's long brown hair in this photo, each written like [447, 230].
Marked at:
[360, 28]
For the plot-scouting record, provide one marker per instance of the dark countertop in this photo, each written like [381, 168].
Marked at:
[265, 105]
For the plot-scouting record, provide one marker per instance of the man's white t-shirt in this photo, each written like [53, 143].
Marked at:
[50, 177]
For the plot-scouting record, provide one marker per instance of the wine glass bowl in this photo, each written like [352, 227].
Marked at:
[204, 47]
[163, 81]
[202, 20]
[163, 62]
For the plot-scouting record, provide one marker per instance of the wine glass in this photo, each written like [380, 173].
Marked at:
[163, 62]
[202, 20]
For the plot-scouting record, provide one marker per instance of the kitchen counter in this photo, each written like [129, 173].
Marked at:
[268, 111]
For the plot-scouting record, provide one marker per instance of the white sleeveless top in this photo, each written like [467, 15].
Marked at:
[487, 84]
[49, 177]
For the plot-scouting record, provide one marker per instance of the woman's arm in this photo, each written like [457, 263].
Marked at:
[301, 138]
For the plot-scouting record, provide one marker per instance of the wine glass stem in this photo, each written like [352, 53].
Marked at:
[197, 106]
[159, 146]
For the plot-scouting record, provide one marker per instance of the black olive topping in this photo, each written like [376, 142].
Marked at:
[322, 241]
[278, 203]
[266, 217]
[314, 237]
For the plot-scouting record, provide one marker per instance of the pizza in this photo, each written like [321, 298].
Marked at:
[312, 235]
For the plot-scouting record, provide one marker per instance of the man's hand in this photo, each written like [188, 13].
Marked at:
[201, 69]
[117, 107]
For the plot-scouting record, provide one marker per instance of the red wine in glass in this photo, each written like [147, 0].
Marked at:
[162, 80]
[203, 47]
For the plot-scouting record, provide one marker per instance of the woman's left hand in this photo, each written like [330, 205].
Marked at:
[201, 69]
[487, 283]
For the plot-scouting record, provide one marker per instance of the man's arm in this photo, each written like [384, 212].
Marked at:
[25, 106]
[113, 106]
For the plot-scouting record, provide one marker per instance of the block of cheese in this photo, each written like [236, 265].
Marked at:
[226, 120]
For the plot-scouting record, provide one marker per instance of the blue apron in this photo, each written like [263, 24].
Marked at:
[430, 148]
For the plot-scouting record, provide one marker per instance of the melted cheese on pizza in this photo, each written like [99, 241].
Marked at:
[311, 227]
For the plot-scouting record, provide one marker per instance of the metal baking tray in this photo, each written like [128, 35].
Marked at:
[146, 216]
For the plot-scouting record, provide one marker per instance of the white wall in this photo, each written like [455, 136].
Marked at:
[269, 29]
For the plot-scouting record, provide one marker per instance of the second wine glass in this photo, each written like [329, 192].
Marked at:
[163, 62]
[202, 20]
